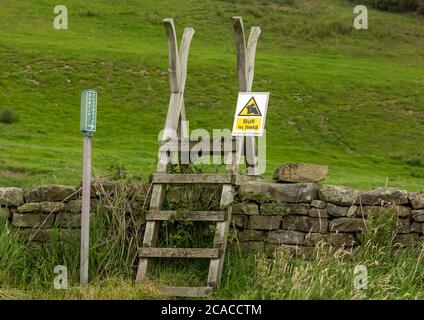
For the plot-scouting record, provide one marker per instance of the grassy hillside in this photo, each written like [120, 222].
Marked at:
[350, 99]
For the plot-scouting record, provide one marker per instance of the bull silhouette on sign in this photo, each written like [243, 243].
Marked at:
[252, 109]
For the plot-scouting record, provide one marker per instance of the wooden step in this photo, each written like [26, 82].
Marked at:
[213, 146]
[210, 253]
[215, 216]
[200, 292]
[192, 178]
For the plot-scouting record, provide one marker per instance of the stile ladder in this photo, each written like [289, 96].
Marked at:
[230, 148]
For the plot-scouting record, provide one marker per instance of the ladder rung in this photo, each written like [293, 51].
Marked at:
[187, 291]
[205, 178]
[211, 253]
[215, 146]
[153, 215]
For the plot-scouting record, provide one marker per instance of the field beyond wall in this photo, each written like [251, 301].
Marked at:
[349, 99]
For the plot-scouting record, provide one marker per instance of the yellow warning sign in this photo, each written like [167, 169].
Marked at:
[250, 109]
[249, 124]
[250, 114]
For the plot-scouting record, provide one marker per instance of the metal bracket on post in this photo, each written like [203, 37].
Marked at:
[245, 73]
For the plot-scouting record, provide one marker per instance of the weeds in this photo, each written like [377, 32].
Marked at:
[116, 229]
[8, 116]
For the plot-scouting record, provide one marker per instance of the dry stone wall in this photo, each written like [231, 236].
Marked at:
[266, 215]
[37, 211]
[298, 216]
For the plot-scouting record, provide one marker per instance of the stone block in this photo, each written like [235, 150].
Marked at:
[416, 199]
[382, 196]
[319, 204]
[264, 222]
[270, 191]
[400, 211]
[272, 208]
[35, 220]
[403, 226]
[285, 237]
[337, 211]
[11, 196]
[44, 207]
[417, 227]
[337, 240]
[239, 221]
[300, 172]
[418, 215]
[51, 192]
[338, 195]
[68, 220]
[347, 225]
[305, 224]
[318, 213]
[251, 235]
[247, 208]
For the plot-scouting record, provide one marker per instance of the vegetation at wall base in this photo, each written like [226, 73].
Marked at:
[28, 273]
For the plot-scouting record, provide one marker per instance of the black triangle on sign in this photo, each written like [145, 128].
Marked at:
[250, 109]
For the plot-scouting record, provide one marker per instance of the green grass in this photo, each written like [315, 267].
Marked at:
[393, 273]
[345, 98]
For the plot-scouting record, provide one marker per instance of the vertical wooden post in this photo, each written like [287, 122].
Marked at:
[85, 217]
[245, 73]
[177, 71]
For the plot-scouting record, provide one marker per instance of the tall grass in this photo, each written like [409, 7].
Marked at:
[393, 273]
[25, 272]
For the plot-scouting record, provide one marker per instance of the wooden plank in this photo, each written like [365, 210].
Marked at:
[220, 240]
[173, 58]
[151, 232]
[183, 54]
[245, 73]
[180, 252]
[154, 215]
[176, 113]
[205, 178]
[241, 53]
[250, 58]
[211, 146]
[199, 292]
[85, 216]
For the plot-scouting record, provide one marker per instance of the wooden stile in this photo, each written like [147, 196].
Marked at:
[230, 148]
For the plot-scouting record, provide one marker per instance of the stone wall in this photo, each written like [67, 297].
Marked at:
[37, 211]
[266, 214]
[299, 215]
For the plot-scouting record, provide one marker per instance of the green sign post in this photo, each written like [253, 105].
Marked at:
[88, 111]
[88, 127]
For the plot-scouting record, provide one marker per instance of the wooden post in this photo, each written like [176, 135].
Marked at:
[177, 72]
[85, 217]
[245, 72]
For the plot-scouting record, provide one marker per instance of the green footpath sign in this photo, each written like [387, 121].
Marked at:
[88, 110]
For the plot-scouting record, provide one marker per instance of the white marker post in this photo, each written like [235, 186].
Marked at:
[88, 127]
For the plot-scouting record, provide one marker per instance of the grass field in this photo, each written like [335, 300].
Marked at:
[345, 98]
